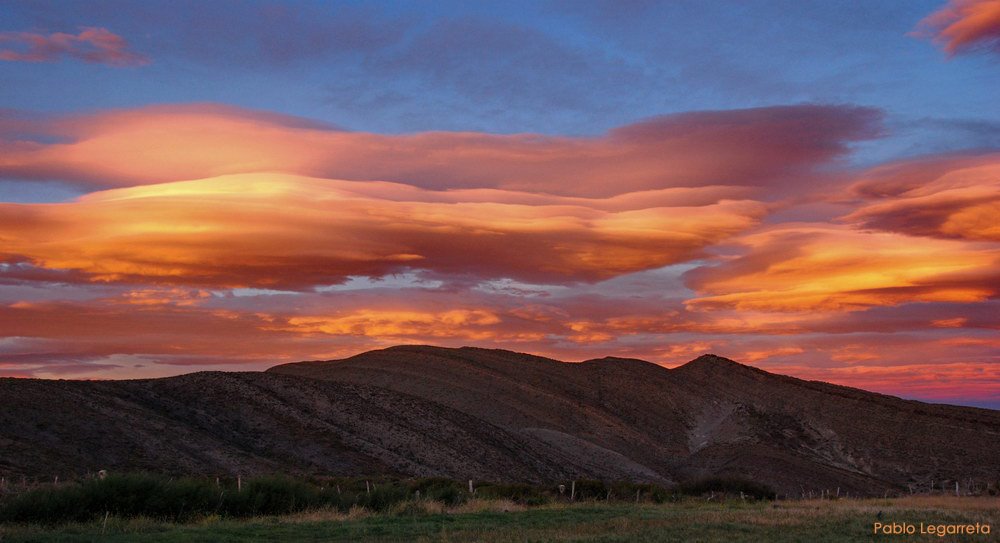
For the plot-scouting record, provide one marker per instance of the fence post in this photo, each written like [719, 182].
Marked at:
[572, 491]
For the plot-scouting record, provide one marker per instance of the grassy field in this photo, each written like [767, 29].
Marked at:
[504, 521]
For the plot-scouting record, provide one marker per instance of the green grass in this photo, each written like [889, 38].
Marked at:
[482, 520]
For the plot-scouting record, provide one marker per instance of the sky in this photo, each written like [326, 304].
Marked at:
[809, 187]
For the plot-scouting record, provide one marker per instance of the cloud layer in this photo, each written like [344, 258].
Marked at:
[279, 231]
[822, 267]
[96, 45]
[216, 237]
[755, 147]
[952, 197]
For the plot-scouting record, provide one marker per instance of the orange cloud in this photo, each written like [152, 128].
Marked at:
[942, 381]
[96, 45]
[749, 357]
[820, 267]
[270, 230]
[674, 354]
[390, 326]
[963, 25]
[62, 330]
[956, 322]
[173, 296]
[953, 197]
[853, 353]
[754, 147]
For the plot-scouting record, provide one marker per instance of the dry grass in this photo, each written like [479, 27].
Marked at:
[326, 515]
[491, 506]
[418, 507]
[847, 520]
[949, 503]
[317, 515]
[409, 507]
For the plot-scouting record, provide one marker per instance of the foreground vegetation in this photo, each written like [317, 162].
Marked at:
[187, 499]
[158, 509]
[506, 521]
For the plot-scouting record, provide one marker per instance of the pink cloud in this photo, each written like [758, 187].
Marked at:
[741, 148]
[964, 25]
[97, 45]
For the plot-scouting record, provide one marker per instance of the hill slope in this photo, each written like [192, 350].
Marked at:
[711, 416]
[229, 423]
[491, 414]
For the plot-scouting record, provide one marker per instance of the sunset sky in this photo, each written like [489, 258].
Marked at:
[811, 187]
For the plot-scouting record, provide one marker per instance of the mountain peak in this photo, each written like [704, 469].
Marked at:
[713, 362]
[616, 360]
[709, 358]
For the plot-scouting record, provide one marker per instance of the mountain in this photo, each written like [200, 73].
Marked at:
[497, 415]
[709, 417]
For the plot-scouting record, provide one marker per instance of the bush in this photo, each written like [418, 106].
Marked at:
[587, 489]
[439, 489]
[270, 496]
[382, 498]
[119, 495]
[658, 494]
[46, 505]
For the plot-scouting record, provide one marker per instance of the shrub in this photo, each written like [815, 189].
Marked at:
[46, 505]
[382, 497]
[587, 489]
[119, 495]
[446, 491]
[270, 496]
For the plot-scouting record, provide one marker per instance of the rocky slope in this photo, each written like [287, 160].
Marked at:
[711, 416]
[498, 415]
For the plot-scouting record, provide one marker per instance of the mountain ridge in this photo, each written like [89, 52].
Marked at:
[494, 414]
